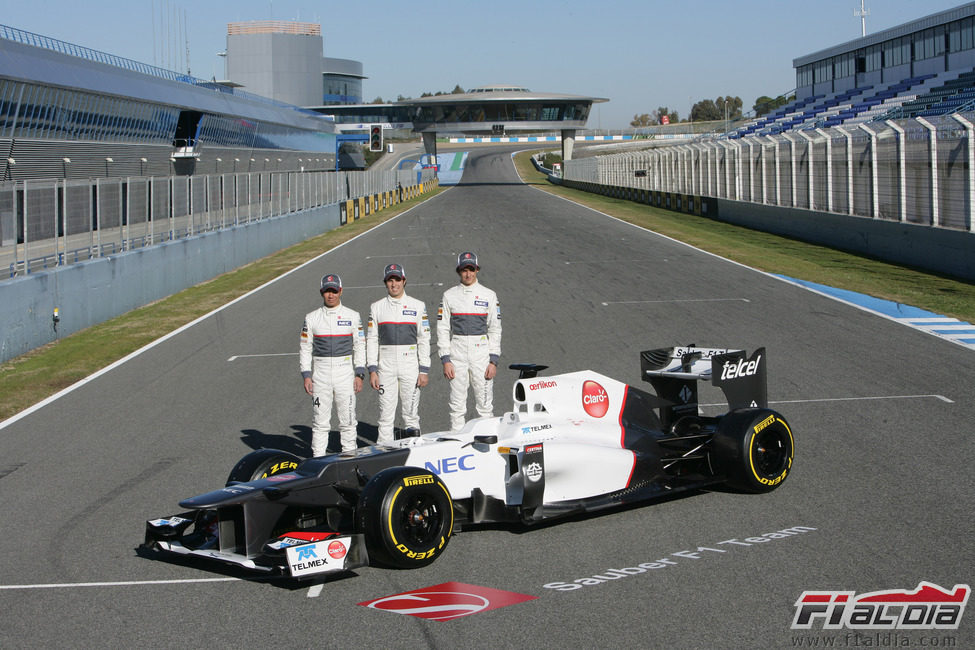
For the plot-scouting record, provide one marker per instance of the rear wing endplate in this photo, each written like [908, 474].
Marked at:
[674, 373]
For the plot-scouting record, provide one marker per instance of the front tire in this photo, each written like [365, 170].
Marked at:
[261, 464]
[754, 449]
[407, 516]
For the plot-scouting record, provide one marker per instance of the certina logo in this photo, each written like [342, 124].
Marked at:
[929, 607]
[539, 385]
[417, 480]
[594, 399]
[731, 370]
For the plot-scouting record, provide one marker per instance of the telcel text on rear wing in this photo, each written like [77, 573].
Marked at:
[674, 373]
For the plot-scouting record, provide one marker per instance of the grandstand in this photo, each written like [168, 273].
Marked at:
[923, 68]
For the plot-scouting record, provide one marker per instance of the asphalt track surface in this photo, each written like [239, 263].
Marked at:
[882, 481]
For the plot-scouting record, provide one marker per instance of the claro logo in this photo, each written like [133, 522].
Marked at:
[594, 399]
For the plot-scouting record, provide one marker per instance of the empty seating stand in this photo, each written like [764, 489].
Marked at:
[919, 96]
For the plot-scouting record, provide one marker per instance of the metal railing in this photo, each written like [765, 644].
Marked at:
[49, 223]
[920, 170]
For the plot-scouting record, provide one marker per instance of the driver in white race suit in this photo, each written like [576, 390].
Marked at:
[469, 341]
[398, 353]
[331, 357]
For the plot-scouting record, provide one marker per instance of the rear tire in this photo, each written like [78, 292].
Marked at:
[754, 449]
[407, 516]
[261, 464]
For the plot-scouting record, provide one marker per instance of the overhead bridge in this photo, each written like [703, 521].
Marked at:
[494, 111]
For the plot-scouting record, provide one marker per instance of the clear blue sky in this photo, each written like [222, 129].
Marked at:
[640, 54]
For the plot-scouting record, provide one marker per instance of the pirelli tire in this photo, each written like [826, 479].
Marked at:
[261, 464]
[407, 516]
[753, 449]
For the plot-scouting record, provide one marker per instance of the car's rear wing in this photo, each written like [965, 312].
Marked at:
[674, 373]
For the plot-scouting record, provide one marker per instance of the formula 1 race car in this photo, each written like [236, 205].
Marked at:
[573, 443]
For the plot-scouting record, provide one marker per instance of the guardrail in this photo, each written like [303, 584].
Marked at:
[50, 223]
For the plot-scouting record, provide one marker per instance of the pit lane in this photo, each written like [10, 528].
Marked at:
[881, 413]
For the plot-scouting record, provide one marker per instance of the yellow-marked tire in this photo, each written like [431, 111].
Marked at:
[407, 515]
[261, 464]
[753, 449]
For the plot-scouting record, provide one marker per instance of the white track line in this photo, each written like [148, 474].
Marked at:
[270, 354]
[124, 583]
[849, 399]
[647, 302]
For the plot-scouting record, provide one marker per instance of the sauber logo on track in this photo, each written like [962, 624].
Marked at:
[929, 607]
[447, 601]
[594, 399]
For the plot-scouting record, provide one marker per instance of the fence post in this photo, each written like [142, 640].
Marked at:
[901, 169]
[933, 157]
[829, 169]
[970, 130]
[874, 190]
[810, 194]
[792, 157]
[849, 168]
[778, 172]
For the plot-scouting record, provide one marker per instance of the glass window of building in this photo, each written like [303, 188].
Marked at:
[961, 35]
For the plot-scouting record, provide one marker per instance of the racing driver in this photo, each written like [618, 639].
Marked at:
[331, 357]
[398, 353]
[469, 341]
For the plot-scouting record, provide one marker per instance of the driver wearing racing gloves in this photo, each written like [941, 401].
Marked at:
[469, 341]
[331, 357]
[398, 353]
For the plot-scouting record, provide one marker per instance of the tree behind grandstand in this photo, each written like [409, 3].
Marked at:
[722, 108]
[766, 104]
[655, 118]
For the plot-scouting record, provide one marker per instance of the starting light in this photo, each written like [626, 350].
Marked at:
[376, 137]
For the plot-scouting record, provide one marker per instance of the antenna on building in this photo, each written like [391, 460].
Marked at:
[862, 15]
[186, 38]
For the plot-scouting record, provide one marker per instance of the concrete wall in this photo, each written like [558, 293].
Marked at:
[92, 292]
[939, 250]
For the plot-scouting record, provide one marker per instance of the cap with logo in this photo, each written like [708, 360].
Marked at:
[467, 259]
[331, 281]
[394, 270]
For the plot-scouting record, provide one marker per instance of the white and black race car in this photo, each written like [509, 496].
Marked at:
[572, 443]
